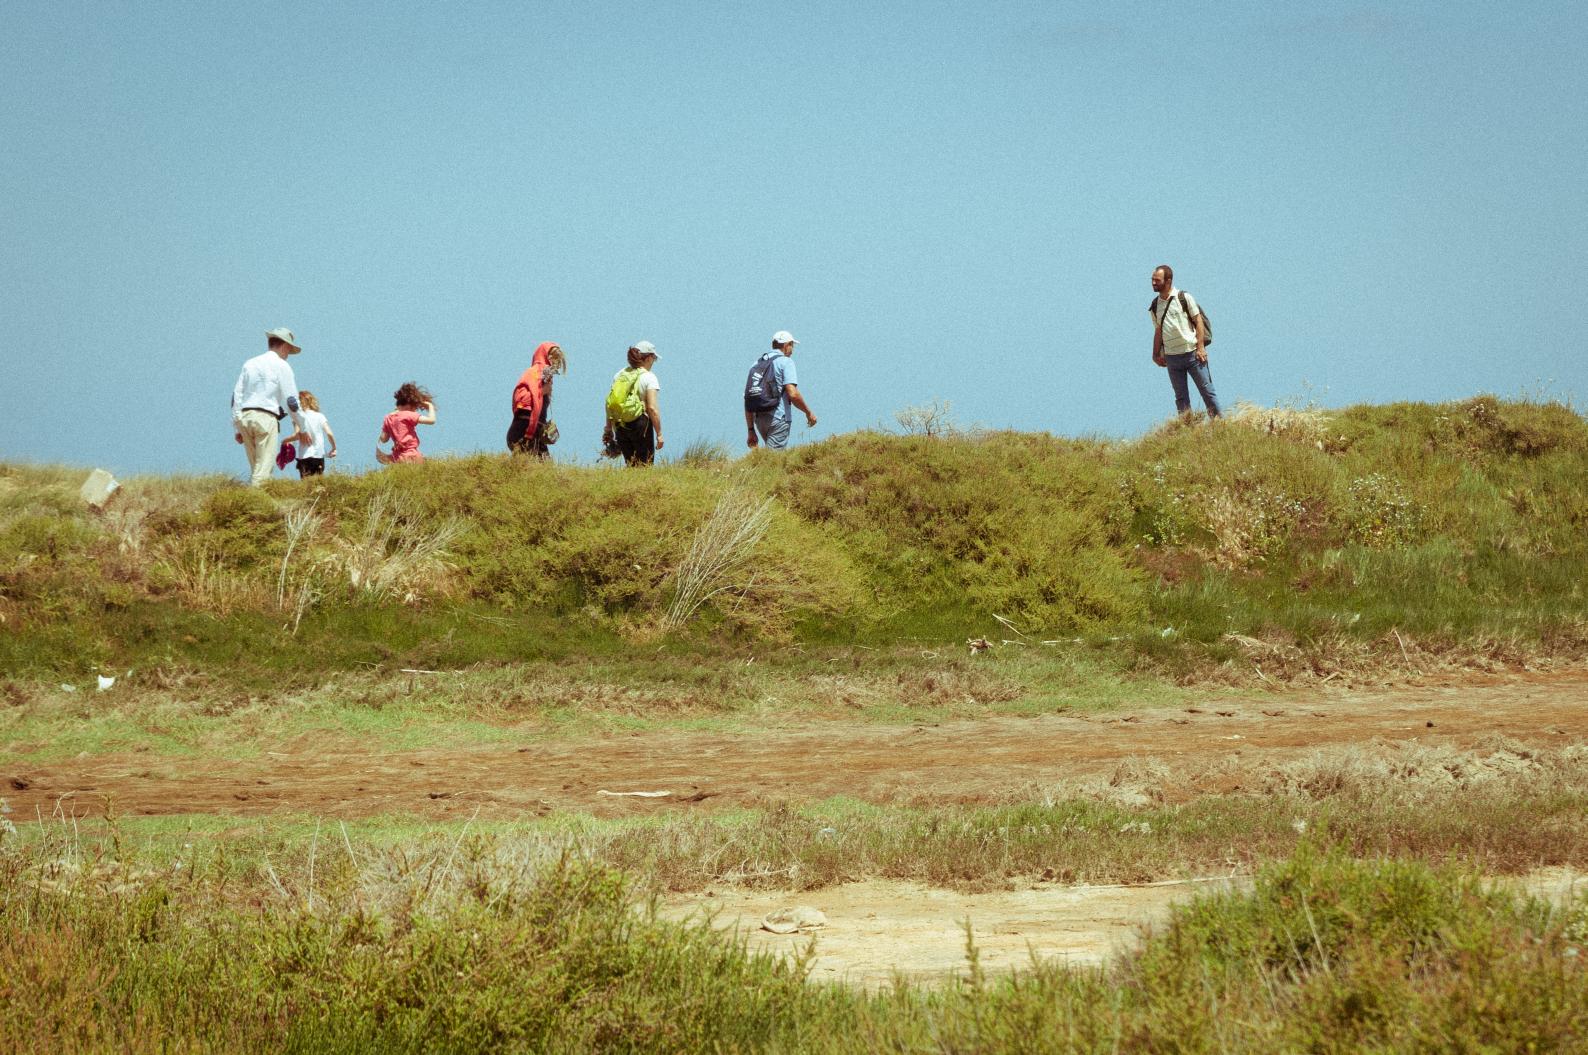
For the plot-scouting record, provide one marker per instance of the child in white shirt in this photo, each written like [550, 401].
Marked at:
[321, 443]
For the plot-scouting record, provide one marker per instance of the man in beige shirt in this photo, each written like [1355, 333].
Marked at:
[1179, 342]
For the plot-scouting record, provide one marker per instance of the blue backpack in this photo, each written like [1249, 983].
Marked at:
[761, 390]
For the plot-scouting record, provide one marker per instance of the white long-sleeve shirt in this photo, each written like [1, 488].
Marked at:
[267, 384]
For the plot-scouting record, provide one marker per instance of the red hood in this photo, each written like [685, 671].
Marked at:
[527, 394]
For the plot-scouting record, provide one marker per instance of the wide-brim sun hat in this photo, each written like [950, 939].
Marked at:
[783, 337]
[284, 335]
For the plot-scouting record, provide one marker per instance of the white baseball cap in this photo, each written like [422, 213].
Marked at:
[783, 337]
[645, 348]
[283, 334]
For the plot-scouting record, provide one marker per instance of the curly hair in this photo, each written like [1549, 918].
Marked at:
[411, 394]
[307, 399]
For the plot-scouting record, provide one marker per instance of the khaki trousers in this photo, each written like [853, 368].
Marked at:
[259, 440]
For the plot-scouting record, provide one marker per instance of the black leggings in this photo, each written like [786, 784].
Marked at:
[519, 439]
[637, 440]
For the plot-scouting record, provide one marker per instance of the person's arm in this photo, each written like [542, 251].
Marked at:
[535, 396]
[1202, 332]
[287, 398]
[430, 409]
[237, 407]
[1157, 337]
[749, 424]
[797, 400]
[332, 437]
[654, 412]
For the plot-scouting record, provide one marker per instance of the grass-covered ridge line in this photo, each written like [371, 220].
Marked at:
[1458, 528]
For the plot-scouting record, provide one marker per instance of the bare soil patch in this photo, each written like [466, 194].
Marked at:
[879, 930]
[1203, 749]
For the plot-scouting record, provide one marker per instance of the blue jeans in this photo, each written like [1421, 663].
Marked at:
[1183, 366]
[774, 430]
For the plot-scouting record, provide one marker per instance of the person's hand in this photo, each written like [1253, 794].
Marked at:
[659, 443]
[810, 420]
[1159, 360]
[750, 440]
[238, 436]
[1202, 355]
[332, 454]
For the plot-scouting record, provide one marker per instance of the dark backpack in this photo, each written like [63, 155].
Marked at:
[1207, 323]
[761, 390]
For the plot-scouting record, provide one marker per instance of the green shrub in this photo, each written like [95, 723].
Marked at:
[1017, 525]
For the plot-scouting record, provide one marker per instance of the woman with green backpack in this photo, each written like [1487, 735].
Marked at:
[634, 420]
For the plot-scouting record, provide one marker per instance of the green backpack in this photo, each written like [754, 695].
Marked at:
[623, 402]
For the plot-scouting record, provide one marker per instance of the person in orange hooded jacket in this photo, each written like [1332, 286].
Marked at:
[532, 400]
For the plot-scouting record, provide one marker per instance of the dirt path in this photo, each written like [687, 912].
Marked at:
[962, 761]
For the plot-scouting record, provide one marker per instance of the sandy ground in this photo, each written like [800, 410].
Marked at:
[881, 928]
[1206, 749]
[878, 930]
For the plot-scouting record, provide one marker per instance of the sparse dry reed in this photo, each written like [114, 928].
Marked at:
[203, 579]
[394, 557]
[719, 553]
[301, 523]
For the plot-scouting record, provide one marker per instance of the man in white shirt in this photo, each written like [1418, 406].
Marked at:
[1179, 339]
[265, 393]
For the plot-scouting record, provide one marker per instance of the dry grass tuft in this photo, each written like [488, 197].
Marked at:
[393, 557]
[1306, 423]
[202, 578]
[719, 554]
[1411, 770]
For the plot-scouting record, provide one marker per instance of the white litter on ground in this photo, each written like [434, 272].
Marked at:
[792, 919]
[98, 488]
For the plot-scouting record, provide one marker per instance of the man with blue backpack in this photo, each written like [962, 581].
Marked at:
[770, 393]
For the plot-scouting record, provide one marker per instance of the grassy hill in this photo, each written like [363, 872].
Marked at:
[1287, 536]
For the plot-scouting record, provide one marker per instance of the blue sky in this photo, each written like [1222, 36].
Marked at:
[958, 201]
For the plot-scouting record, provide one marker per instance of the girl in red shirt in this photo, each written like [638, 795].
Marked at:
[401, 426]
